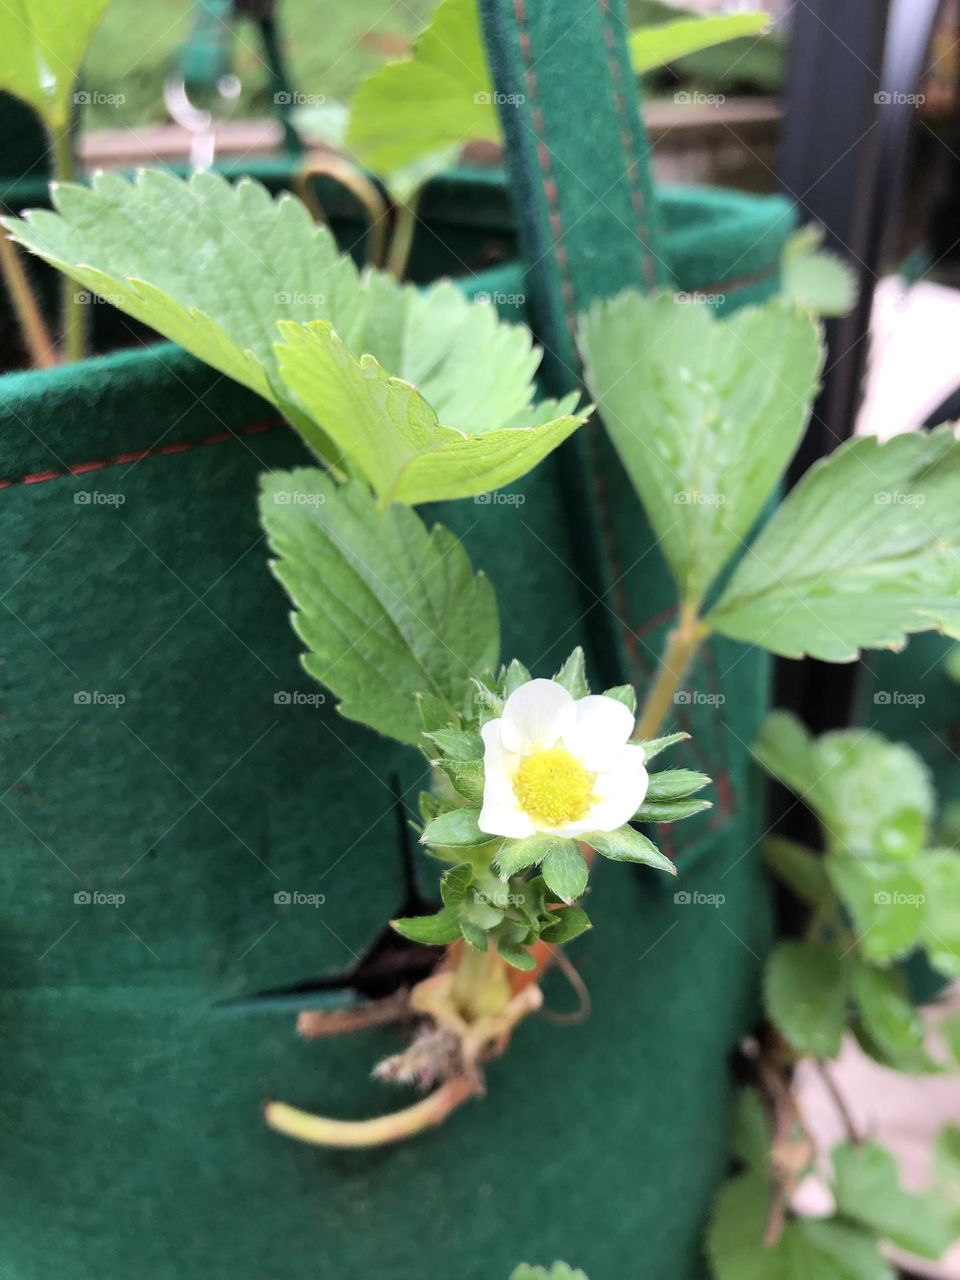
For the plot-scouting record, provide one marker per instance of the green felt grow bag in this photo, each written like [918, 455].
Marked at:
[168, 771]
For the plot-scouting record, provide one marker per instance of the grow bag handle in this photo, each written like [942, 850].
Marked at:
[578, 161]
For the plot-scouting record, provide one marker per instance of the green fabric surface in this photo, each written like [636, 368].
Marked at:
[129, 1102]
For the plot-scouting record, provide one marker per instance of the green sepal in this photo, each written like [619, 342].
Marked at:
[466, 776]
[516, 855]
[675, 784]
[434, 712]
[454, 884]
[565, 870]
[473, 935]
[433, 931]
[429, 806]
[626, 694]
[628, 845]
[516, 956]
[515, 675]
[566, 925]
[457, 744]
[573, 675]
[654, 746]
[670, 810]
[457, 828]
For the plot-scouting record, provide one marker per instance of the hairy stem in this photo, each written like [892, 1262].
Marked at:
[36, 336]
[682, 645]
[379, 1132]
[401, 242]
[75, 315]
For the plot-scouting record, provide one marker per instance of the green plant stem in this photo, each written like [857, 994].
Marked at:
[36, 335]
[480, 985]
[401, 242]
[74, 314]
[682, 645]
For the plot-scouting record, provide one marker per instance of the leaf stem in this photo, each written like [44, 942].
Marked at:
[401, 242]
[321, 1131]
[36, 336]
[74, 314]
[682, 645]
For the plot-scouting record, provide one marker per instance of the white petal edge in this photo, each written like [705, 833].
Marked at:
[619, 791]
[501, 814]
[601, 731]
[536, 717]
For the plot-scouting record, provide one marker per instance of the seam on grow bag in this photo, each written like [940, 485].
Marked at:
[137, 455]
[628, 142]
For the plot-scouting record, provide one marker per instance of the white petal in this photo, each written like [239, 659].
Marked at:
[536, 716]
[501, 814]
[602, 727]
[619, 791]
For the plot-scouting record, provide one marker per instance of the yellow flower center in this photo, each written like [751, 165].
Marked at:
[553, 787]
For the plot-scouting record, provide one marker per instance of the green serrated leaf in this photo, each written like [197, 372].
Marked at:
[801, 869]
[454, 884]
[386, 426]
[939, 873]
[565, 925]
[658, 46]
[457, 744]
[886, 900]
[626, 694]
[386, 608]
[565, 871]
[670, 810]
[861, 553]
[467, 778]
[516, 956]
[675, 784]
[653, 747]
[867, 1191]
[890, 1019]
[434, 712]
[573, 675]
[705, 414]
[805, 989]
[42, 44]
[433, 931]
[808, 1249]
[410, 119]
[627, 845]
[455, 829]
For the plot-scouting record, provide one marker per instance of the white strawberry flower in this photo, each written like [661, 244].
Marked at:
[560, 766]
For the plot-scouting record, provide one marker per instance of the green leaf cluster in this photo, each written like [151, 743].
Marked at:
[512, 893]
[877, 892]
[871, 1207]
[42, 44]
[706, 414]
[421, 394]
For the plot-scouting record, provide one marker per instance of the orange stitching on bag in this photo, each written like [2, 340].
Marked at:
[628, 142]
[161, 451]
[546, 170]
